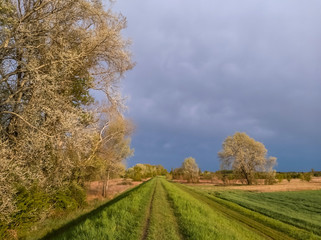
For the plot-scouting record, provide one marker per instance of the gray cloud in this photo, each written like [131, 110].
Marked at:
[206, 69]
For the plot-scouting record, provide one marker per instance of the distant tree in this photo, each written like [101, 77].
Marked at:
[141, 171]
[244, 156]
[288, 177]
[178, 173]
[306, 176]
[312, 172]
[206, 175]
[160, 170]
[280, 177]
[270, 173]
[190, 169]
[224, 175]
[317, 173]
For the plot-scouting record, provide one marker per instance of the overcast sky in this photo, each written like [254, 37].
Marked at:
[206, 69]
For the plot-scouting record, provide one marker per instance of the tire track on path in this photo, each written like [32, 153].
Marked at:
[150, 209]
[179, 234]
[161, 223]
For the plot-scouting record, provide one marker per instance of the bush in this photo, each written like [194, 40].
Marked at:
[316, 173]
[125, 182]
[280, 177]
[305, 176]
[191, 179]
[225, 175]
[31, 204]
[269, 178]
[288, 177]
[3, 230]
[137, 176]
[70, 197]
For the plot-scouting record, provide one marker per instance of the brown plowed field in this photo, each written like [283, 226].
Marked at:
[293, 185]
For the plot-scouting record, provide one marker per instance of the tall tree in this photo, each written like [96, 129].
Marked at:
[190, 169]
[245, 156]
[114, 149]
[52, 52]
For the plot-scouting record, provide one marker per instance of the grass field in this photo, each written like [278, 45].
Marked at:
[198, 220]
[301, 209]
[272, 227]
[159, 209]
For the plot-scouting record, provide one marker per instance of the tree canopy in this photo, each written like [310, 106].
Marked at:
[142, 171]
[190, 169]
[52, 53]
[245, 156]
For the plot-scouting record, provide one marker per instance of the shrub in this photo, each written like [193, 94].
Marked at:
[137, 176]
[31, 203]
[125, 182]
[288, 177]
[70, 197]
[3, 230]
[270, 178]
[280, 177]
[305, 176]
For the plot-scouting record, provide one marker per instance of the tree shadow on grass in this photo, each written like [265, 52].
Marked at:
[55, 232]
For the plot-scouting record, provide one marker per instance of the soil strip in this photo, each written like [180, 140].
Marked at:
[147, 223]
[172, 210]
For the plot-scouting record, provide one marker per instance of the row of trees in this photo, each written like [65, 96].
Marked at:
[53, 136]
[143, 171]
[304, 176]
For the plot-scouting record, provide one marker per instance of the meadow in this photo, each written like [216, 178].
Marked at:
[299, 208]
[160, 209]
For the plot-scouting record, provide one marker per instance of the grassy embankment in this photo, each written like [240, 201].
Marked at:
[121, 218]
[57, 221]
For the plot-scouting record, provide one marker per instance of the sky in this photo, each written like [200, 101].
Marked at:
[206, 69]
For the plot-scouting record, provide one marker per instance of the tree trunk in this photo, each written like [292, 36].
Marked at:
[105, 185]
[104, 188]
[107, 182]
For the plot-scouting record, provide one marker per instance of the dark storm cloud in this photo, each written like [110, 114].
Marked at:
[206, 69]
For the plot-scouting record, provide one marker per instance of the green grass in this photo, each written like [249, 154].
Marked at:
[161, 210]
[122, 218]
[301, 208]
[163, 224]
[270, 226]
[198, 220]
